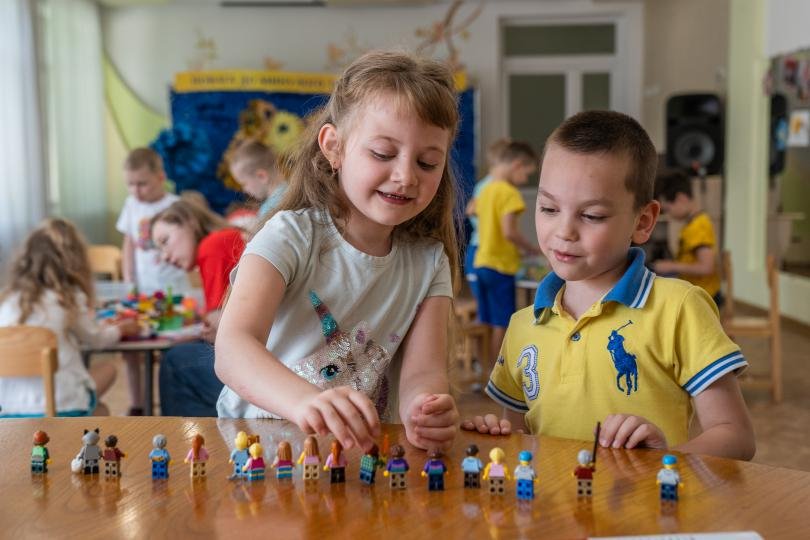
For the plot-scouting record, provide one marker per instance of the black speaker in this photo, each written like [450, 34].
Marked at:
[778, 134]
[695, 129]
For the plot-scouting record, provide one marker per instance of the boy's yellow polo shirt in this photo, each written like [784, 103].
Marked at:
[698, 233]
[496, 200]
[646, 349]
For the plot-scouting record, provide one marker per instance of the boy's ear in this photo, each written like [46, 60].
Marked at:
[645, 222]
[329, 142]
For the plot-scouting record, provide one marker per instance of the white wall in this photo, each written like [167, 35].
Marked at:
[786, 26]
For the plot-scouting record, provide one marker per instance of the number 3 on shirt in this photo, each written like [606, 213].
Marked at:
[531, 380]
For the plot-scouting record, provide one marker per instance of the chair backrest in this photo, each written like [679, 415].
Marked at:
[30, 351]
[106, 259]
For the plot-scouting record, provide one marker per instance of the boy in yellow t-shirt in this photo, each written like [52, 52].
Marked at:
[606, 340]
[500, 241]
[696, 261]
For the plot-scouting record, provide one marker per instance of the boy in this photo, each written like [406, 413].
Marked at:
[697, 244]
[607, 340]
[253, 166]
[497, 258]
[143, 173]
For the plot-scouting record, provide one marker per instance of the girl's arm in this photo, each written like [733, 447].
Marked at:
[254, 373]
[89, 331]
[427, 410]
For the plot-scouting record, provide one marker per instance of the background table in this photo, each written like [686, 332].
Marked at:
[719, 494]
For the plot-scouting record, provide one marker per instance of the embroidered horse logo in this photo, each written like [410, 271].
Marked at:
[623, 361]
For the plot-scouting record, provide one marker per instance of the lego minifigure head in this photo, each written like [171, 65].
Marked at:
[669, 461]
[525, 457]
[241, 441]
[256, 450]
[584, 457]
[472, 450]
[337, 449]
[111, 441]
[435, 453]
[159, 441]
[90, 437]
[397, 451]
[374, 451]
[311, 446]
[284, 451]
[41, 438]
[497, 455]
[196, 443]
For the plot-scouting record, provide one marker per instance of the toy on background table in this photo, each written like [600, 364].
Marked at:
[669, 479]
[310, 459]
[40, 458]
[239, 455]
[496, 471]
[160, 457]
[283, 463]
[197, 456]
[156, 313]
[397, 468]
[471, 466]
[525, 476]
[435, 469]
[369, 464]
[336, 463]
[254, 468]
[86, 461]
[112, 457]
[587, 466]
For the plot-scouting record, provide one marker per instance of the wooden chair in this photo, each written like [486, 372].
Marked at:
[30, 351]
[106, 259]
[768, 327]
[473, 341]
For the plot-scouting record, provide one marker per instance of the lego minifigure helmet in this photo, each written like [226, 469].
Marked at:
[525, 455]
[669, 459]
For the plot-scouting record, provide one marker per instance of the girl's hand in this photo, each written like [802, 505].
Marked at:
[629, 431]
[128, 327]
[348, 414]
[488, 424]
[432, 421]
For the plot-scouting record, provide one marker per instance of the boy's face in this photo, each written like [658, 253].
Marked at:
[679, 208]
[585, 218]
[145, 184]
[519, 172]
[253, 183]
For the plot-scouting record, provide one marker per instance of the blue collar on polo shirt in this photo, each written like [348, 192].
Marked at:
[631, 290]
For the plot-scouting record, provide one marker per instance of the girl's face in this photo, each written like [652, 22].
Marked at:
[176, 244]
[389, 166]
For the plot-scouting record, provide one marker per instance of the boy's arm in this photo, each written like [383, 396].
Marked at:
[703, 266]
[723, 417]
[128, 259]
[511, 231]
[470, 210]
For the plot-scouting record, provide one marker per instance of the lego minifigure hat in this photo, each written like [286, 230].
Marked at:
[525, 455]
[669, 459]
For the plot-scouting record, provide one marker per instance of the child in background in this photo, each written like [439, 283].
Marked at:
[254, 167]
[356, 267]
[696, 261]
[497, 258]
[607, 340]
[189, 235]
[51, 285]
[145, 179]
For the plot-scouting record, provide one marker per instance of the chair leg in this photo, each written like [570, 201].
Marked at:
[776, 366]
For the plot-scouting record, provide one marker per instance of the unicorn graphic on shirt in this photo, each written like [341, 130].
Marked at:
[623, 361]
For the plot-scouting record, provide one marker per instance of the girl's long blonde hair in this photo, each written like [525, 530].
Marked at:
[53, 257]
[421, 85]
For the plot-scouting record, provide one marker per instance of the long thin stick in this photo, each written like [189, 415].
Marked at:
[595, 442]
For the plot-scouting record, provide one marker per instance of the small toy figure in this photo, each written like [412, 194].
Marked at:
[283, 463]
[112, 457]
[90, 452]
[239, 455]
[160, 457]
[310, 459]
[336, 462]
[471, 467]
[197, 456]
[669, 479]
[584, 474]
[40, 458]
[496, 472]
[254, 468]
[525, 476]
[369, 464]
[397, 468]
[435, 469]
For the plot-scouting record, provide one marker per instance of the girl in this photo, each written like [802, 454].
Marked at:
[355, 268]
[189, 235]
[51, 285]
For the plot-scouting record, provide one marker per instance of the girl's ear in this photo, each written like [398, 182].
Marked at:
[329, 143]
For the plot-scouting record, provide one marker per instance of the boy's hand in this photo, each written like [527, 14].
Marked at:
[629, 431]
[432, 421]
[488, 424]
[664, 267]
[348, 414]
[128, 327]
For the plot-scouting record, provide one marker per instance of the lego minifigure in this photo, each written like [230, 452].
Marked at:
[584, 474]
[197, 456]
[496, 472]
[397, 468]
[160, 457]
[40, 458]
[336, 462]
[669, 479]
[435, 469]
[471, 467]
[525, 476]
[283, 463]
[310, 459]
[254, 468]
[112, 457]
[239, 455]
[369, 464]
[90, 453]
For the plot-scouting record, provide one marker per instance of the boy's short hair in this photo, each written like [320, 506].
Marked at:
[509, 151]
[253, 155]
[592, 132]
[670, 182]
[143, 157]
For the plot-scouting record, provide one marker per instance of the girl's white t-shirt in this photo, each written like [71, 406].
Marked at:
[344, 312]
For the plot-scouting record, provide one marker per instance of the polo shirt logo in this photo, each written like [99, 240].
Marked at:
[623, 361]
[531, 379]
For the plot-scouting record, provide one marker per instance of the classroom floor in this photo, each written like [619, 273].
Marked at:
[783, 437]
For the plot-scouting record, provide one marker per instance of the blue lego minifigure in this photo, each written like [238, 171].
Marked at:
[160, 457]
[669, 479]
[435, 469]
[369, 464]
[525, 476]
[239, 455]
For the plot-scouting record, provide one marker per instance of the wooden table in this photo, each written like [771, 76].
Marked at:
[719, 494]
